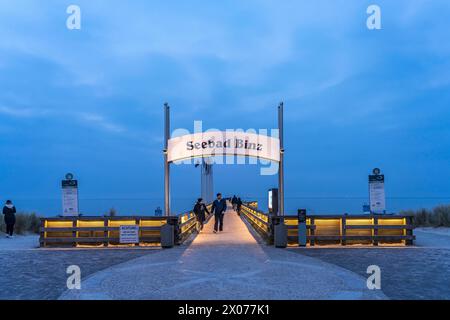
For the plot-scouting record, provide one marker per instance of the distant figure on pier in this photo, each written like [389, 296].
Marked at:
[219, 207]
[238, 206]
[199, 211]
[9, 211]
[234, 202]
[158, 212]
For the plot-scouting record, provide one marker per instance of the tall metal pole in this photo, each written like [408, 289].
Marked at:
[166, 163]
[281, 164]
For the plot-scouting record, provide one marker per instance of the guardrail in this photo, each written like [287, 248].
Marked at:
[354, 229]
[336, 229]
[98, 231]
[259, 220]
[187, 224]
[84, 231]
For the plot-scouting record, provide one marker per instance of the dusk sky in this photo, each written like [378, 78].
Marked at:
[90, 101]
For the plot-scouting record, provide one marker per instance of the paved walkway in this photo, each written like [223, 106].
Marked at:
[228, 265]
[40, 274]
[419, 272]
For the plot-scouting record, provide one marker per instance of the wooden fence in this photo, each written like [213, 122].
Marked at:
[352, 229]
[321, 229]
[260, 221]
[90, 231]
[337, 229]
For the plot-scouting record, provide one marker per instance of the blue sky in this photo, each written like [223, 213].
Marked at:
[90, 101]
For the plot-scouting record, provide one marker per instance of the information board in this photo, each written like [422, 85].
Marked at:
[377, 194]
[129, 234]
[70, 197]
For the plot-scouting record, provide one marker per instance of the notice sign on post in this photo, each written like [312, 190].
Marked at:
[377, 194]
[129, 234]
[70, 196]
[273, 201]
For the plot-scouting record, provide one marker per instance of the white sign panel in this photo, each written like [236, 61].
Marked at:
[270, 199]
[216, 143]
[70, 198]
[377, 194]
[129, 234]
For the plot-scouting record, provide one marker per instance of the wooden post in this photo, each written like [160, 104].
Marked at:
[42, 234]
[74, 233]
[313, 232]
[409, 232]
[375, 231]
[344, 231]
[105, 233]
[139, 233]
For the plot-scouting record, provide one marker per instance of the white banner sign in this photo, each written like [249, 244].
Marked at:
[129, 234]
[377, 194]
[216, 143]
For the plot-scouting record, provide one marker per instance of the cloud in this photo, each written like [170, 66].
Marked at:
[91, 119]
[99, 121]
[229, 63]
[23, 112]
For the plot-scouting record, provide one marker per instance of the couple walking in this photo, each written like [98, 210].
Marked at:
[237, 203]
[219, 207]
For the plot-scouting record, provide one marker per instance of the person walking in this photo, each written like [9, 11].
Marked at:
[234, 202]
[199, 211]
[219, 207]
[238, 206]
[9, 211]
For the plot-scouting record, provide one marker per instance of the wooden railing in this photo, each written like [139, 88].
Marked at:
[90, 231]
[352, 229]
[336, 229]
[321, 229]
[259, 220]
[97, 231]
[187, 224]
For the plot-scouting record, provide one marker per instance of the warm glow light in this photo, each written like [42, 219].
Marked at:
[118, 223]
[328, 227]
[391, 222]
[59, 224]
[358, 222]
[152, 223]
[90, 224]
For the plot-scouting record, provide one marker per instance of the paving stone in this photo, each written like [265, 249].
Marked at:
[406, 273]
[41, 273]
[227, 265]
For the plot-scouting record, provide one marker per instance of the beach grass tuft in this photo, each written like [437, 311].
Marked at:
[25, 223]
[437, 217]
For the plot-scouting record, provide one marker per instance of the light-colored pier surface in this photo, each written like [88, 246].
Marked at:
[226, 265]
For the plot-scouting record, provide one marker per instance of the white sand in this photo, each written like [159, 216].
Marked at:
[439, 231]
[432, 237]
[19, 242]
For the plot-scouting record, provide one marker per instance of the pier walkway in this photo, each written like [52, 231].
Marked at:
[232, 264]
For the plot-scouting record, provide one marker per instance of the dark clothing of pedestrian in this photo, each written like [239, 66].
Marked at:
[10, 219]
[234, 202]
[219, 207]
[238, 205]
[200, 211]
[218, 222]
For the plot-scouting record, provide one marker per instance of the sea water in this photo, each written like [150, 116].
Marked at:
[146, 207]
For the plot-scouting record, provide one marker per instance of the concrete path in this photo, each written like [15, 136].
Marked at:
[18, 242]
[227, 265]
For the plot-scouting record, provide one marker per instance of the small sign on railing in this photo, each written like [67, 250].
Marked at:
[129, 234]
